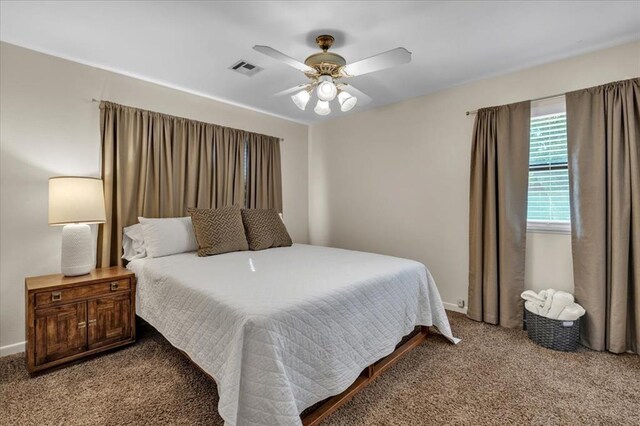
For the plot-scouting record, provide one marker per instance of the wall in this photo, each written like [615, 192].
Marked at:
[395, 180]
[49, 127]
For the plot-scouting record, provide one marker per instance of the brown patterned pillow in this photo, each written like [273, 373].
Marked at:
[218, 230]
[265, 229]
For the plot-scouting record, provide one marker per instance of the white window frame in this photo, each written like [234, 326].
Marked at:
[538, 108]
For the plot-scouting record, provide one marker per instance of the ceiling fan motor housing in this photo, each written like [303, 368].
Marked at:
[326, 63]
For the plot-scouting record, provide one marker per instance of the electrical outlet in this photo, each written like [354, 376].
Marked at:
[460, 303]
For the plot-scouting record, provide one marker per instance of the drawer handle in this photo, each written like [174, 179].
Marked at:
[82, 324]
[115, 285]
[56, 296]
[92, 322]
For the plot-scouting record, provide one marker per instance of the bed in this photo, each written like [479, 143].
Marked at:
[284, 328]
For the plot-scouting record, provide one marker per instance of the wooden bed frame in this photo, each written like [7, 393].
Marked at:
[315, 414]
[369, 374]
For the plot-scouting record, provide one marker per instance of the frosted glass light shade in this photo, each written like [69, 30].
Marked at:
[301, 99]
[326, 90]
[75, 200]
[322, 108]
[346, 101]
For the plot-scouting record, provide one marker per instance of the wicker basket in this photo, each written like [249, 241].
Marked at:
[552, 333]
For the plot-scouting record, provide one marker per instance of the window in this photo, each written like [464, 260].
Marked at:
[548, 197]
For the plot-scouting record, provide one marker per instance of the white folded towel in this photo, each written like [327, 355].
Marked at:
[548, 295]
[571, 312]
[533, 297]
[532, 307]
[553, 304]
[561, 299]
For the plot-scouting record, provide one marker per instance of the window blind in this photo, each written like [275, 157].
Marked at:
[548, 197]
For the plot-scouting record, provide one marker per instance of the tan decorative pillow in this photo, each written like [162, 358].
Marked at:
[218, 230]
[265, 229]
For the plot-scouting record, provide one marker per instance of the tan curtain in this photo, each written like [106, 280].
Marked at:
[498, 214]
[264, 181]
[603, 130]
[156, 165]
[229, 175]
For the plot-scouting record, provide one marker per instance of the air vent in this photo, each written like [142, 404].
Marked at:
[245, 68]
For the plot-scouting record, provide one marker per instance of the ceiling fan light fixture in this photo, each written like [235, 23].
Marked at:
[301, 99]
[326, 71]
[327, 90]
[322, 108]
[346, 101]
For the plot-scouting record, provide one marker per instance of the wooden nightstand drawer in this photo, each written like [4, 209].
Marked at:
[83, 292]
[69, 318]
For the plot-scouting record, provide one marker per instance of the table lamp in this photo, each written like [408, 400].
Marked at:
[74, 202]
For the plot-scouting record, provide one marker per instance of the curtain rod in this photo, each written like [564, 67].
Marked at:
[544, 98]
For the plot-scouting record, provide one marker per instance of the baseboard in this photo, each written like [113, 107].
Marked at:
[454, 307]
[12, 349]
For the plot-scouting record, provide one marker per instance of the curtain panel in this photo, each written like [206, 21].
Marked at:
[157, 165]
[498, 214]
[603, 140]
[264, 180]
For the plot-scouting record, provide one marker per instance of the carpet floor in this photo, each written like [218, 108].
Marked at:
[494, 376]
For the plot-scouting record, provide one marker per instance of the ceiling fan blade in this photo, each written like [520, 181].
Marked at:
[275, 54]
[378, 62]
[362, 98]
[293, 90]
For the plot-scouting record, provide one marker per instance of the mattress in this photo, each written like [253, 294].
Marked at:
[284, 328]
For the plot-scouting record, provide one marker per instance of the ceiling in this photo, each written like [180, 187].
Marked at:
[191, 45]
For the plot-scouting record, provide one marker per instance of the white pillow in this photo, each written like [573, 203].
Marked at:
[133, 242]
[163, 237]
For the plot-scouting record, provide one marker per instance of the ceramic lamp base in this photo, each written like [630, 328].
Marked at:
[77, 250]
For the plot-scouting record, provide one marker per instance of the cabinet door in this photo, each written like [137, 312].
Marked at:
[60, 332]
[109, 319]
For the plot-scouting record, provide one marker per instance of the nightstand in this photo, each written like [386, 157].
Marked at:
[68, 318]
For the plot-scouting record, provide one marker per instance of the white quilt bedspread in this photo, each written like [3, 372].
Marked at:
[284, 328]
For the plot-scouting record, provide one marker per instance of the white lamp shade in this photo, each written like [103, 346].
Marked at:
[301, 99]
[322, 108]
[326, 90]
[75, 200]
[346, 101]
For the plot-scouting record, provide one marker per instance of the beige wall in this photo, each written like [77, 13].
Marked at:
[395, 180]
[49, 127]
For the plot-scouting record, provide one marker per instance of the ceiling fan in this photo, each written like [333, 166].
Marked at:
[326, 70]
